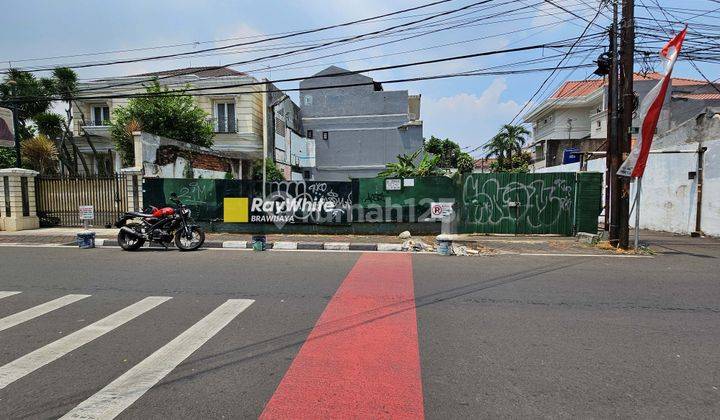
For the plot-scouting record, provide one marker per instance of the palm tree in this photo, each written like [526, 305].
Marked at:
[406, 166]
[509, 140]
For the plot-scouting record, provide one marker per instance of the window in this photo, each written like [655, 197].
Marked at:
[308, 100]
[326, 135]
[225, 117]
[309, 134]
[598, 124]
[99, 115]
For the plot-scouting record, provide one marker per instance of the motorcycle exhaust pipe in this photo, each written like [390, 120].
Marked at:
[130, 232]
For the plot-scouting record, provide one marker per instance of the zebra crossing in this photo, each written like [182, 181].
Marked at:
[122, 392]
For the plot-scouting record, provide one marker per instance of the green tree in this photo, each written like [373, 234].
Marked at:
[407, 166]
[509, 140]
[22, 84]
[7, 157]
[520, 164]
[50, 125]
[37, 94]
[163, 112]
[447, 150]
[450, 155]
[465, 163]
[272, 173]
[39, 153]
[403, 168]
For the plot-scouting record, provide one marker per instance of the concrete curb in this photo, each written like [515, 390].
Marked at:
[281, 245]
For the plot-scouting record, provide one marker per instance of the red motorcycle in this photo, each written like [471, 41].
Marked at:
[161, 225]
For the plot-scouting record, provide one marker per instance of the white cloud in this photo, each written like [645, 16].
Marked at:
[467, 118]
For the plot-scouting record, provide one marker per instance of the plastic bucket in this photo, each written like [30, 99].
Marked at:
[86, 240]
[259, 243]
[444, 247]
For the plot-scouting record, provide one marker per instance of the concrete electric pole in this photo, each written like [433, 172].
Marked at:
[621, 106]
[612, 157]
[627, 72]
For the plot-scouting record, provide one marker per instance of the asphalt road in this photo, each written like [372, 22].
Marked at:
[503, 336]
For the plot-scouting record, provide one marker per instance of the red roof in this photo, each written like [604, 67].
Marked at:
[698, 96]
[574, 88]
[677, 81]
[484, 163]
[577, 88]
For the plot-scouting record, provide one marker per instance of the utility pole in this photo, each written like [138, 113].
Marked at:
[627, 72]
[612, 157]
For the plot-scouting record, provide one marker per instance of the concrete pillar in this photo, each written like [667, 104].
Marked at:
[18, 210]
[134, 189]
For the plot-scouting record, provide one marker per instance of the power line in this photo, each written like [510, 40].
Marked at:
[291, 63]
[466, 24]
[293, 34]
[286, 54]
[327, 87]
[183, 44]
[382, 68]
[187, 53]
[352, 38]
[559, 64]
[589, 22]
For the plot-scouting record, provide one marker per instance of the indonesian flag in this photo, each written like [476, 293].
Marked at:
[634, 165]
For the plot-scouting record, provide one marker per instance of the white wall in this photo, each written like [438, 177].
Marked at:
[669, 199]
[711, 190]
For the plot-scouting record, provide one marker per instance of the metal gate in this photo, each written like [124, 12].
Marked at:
[58, 199]
[518, 203]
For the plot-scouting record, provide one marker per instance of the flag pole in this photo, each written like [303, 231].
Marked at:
[637, 212]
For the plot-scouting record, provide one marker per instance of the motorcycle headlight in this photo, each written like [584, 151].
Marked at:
[187, 212]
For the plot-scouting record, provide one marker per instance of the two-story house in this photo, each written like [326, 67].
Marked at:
[574, 118]
[357, 127]
[236, 112]
[294, 154]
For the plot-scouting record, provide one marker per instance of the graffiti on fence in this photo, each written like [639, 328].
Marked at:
[538, 204]
[195, 192]
[304, 202]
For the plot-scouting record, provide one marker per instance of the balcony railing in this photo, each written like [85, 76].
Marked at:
[224, 125]
[94, 123]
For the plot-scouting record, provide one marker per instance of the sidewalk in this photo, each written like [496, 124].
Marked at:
[661, 243]
[484, 244]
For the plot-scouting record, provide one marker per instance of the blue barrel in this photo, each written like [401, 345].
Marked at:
[86, 240]
[259, 242]
[444, 247]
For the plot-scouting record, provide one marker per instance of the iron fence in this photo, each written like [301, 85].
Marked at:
[58, 199]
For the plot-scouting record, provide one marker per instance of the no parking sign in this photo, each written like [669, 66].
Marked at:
[440, 210]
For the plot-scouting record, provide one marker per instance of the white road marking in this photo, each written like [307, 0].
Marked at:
[34, 312]
[6, 294]
[126, 389]
[22, 366]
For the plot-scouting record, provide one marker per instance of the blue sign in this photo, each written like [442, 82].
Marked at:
[571, 155]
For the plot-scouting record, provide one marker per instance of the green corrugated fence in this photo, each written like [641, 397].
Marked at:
[547, 203]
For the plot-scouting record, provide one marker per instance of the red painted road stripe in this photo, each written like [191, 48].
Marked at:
[361, 360]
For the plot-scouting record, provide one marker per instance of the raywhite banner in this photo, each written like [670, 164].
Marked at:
[7, 129]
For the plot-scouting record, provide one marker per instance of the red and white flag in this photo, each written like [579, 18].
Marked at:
[634, 165]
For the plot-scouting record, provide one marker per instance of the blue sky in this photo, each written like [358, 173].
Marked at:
[468, 110]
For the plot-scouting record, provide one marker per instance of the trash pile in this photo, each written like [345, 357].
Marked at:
[444, 246]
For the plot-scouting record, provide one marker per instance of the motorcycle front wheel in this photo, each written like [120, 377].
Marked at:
[195, 241]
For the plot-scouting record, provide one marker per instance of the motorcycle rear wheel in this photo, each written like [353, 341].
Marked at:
[184, 244]
[127, 242]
